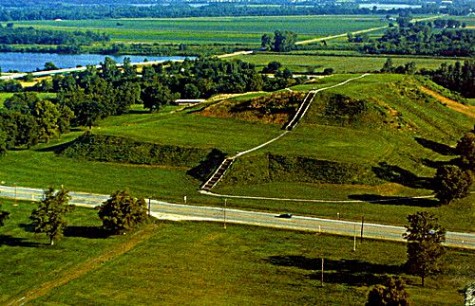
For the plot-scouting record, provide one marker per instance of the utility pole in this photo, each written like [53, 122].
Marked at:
[149, 206]
[362, 226]
[224, 212]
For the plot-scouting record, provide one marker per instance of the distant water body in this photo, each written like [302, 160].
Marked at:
[29, 62]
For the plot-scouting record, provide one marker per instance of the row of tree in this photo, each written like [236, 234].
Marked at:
[120, 213]
[453, 181]
[30, 35]
[87, 96]
[50, 11]
[459, 77]
[420, 38]
[26, 120]
[280, 41]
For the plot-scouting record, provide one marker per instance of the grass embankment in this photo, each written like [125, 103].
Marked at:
[398, 155]
[200, 263]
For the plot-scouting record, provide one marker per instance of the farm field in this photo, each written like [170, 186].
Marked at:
[345, 63]
[242, 265]
[222, 30]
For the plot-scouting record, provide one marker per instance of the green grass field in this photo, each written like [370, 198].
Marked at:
[223, 30]
[431, 121]
[242, 265]
[346, 63]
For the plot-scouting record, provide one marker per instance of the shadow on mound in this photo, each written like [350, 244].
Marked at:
[91, 232]
[208, 165]
[436, 146]
[57, 148]
[350, 272]
[401, 176]
[391, 200]
[17, 242]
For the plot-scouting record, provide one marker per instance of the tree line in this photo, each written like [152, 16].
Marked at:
[104, 10]
[29, 35]
[443, 38]
[119, 214]
[96, 93]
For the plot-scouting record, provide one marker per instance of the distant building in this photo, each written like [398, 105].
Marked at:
[189, 101]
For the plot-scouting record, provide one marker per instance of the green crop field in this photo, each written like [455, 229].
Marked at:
[242, 265]
[346, 63]
[226, 30]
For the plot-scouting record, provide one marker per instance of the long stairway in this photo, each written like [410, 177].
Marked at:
[218, 174]
[301, 111]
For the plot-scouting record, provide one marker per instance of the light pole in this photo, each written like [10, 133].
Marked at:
[224, 212]
[149, 206]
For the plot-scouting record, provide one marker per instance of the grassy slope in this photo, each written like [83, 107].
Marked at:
[200, 264]
[41, 168]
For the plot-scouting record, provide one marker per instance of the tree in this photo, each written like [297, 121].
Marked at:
[388, 65]
[466, 149]
[122, 212]
[284, 41]
[156, 95]
[266, 41]
[393, 293]
[424, 238]
[49, 218]
[451, 183]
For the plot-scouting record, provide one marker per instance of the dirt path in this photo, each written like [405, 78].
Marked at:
[83, 268]
[456, 106]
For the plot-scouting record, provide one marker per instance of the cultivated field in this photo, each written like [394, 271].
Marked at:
[222, 30]
[346, 62]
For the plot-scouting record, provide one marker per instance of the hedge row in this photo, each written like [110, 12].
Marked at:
[118, 149]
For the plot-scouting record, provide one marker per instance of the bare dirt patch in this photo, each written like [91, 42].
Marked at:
[456, 106]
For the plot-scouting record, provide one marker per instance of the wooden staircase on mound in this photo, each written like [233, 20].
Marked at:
[301, 111]
[217, 175]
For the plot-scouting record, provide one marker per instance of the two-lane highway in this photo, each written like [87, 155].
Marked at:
[177, 212]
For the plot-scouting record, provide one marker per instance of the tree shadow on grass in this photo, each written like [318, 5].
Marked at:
[392, 200]
[90, 232]
[27, 227]
[401, 176]
[17, 242]
[350, 272]
[57, 148]
[437, 164]
[437, 147]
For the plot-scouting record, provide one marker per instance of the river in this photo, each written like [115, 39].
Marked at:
[29, 62]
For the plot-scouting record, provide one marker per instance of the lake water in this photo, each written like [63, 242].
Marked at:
[29, 62]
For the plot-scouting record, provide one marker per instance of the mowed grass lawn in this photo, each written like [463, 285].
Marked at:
[203, 264]
[41, 167]
[245, 30]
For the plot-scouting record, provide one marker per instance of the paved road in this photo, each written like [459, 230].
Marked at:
[177, 212]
